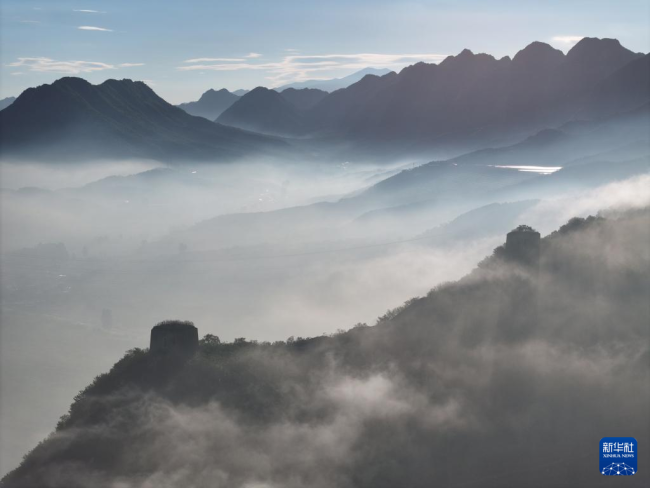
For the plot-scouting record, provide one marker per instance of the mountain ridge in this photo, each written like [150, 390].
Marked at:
[211, 104]
[465, 93]
[464, 361]
[73, 119]
[334, 84]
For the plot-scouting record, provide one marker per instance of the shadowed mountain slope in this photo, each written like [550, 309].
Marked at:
[263, 110]
[72, 119]
[211, 104]
[590, 154]
[304, 98]
[625, 89]
[476, 96]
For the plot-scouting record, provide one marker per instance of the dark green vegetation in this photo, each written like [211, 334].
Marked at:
[508, 377]
[72, 119]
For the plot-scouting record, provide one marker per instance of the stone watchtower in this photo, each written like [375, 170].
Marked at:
[523, 246]
[520, 310]
[174, 337]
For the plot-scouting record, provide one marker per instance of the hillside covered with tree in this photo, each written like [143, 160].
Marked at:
[508, 377]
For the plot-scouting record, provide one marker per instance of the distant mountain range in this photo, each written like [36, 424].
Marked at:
[473, 94]
[468, 101]
[303, 98]
[302, 95]
[272, 112]
[336, 83]
[211, 104]
[72, 120]
[590, 154]
[5, 102]
[265, 109]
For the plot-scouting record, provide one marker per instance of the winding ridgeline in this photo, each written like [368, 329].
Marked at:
[506, 378]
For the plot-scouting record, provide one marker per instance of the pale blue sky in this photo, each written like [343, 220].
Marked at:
[183, 47]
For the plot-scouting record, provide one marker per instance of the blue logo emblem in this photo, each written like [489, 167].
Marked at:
[618, 456]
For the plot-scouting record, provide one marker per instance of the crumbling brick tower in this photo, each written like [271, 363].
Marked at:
[174, 337]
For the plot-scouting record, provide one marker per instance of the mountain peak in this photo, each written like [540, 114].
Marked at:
[589, 47]
[211, 104]
[466, 57]
[71, 81]
[261, 93]
[372, 71]
[260, 89]
[336, 83]
[74, 119]
[593, 59]
[263, 110]
[538, 53]
[212, 94]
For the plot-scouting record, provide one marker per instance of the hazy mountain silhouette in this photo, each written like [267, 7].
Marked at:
[470, 92]
[72, 119]
[336, 83]
[240, 92]
[487, 366]
[602, 151]
[5, 102]
[307, 110]
[467, 101]
[591, 60]
[304, 98]
[344, 104]
[476, 95]
[211, 104]
[625, 89]
[264, 110]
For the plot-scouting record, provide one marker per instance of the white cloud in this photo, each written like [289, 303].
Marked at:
[633, 193]
[253, 55]
[66, 67]
[302, 67]
[48, 65]
[93, 28]
[17, 73]
[87, 11]
[210, 60]
[567, 39]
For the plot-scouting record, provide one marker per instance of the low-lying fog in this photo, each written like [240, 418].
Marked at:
[131, 256]
[143, 200]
